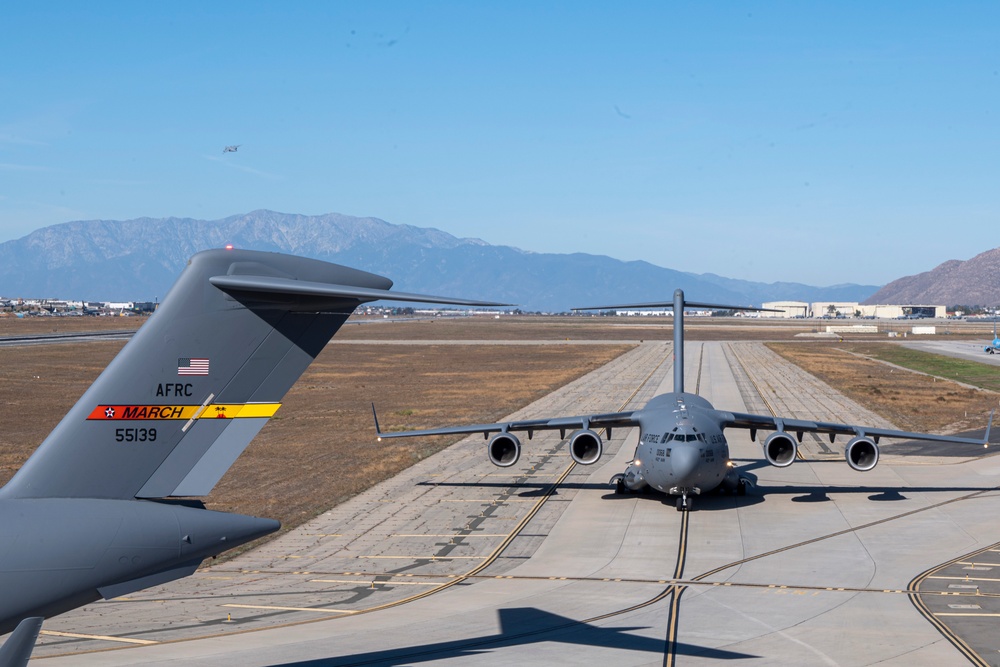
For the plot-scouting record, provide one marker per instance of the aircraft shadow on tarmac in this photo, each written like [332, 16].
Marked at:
[521, 627]
[720, 501]
[529, 488]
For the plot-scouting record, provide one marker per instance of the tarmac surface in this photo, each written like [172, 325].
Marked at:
[959, 350]
[73, 337]
[543, 563]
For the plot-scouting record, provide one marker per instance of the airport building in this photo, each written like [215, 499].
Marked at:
[788, 308]
[841, 309]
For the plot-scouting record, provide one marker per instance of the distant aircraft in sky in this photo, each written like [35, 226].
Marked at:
[231, 149]
[93, 513]
[682, 448]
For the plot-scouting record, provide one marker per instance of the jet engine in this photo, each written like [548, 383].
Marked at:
[780, 449]
[861, 453]
[504, 450]
[585, 446]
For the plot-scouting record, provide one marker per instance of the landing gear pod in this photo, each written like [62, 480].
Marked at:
[585, 446]
[504, 450]
[861, 454]
[780, 449]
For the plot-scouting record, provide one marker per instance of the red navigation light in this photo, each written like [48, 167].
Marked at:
[229, 246]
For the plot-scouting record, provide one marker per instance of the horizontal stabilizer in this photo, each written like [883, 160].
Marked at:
[271, 286]
[687, 304]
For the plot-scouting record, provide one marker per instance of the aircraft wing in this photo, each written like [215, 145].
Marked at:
[608, 420]
[799, 426]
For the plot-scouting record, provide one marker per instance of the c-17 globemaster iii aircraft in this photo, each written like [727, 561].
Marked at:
[95, 511]
[682, 448]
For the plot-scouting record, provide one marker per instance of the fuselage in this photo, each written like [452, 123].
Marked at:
[60, 553]
[682, 449]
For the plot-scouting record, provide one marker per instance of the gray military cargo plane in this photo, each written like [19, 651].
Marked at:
[682, 448]
[104, 506]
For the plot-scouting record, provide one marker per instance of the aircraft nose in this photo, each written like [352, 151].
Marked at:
[684, 461]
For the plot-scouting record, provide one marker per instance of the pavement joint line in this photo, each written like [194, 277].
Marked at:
[451, 535]
[417, 557]
[373, 582]
[956, 613]
[107, 638]
[487, 500]
[275, 607]
[977, 564]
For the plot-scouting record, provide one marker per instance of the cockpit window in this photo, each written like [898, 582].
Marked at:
[691, 437]
[701, 437]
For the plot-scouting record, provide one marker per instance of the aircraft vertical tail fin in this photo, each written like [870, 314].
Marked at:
[198, 381]
[678, 304]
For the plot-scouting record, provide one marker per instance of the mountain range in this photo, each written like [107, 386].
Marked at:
[973, 282]
[138, 260]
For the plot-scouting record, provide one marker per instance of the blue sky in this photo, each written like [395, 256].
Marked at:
[808, 142]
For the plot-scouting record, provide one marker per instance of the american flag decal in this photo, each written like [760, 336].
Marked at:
[192, 366]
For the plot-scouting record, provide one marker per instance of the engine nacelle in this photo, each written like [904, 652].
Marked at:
[504, 450]
[585, 446]
[861, 454]
[780, 449]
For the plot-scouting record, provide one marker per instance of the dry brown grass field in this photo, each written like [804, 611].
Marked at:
[530, 327]
[33, 326]
[912, 401]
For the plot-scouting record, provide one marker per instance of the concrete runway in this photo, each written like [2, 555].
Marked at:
[959, 350]
[542, 563]
[73, 337]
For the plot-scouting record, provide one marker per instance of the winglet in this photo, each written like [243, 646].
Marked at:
[378, 431]
[986, 436]
[17, 649]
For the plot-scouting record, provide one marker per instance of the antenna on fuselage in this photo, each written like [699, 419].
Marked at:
[678, 305]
